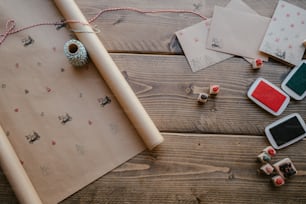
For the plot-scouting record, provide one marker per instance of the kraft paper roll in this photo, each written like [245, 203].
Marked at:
[111, 74]
[15, 173]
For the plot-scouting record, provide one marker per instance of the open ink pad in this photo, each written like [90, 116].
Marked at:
[295, 83]
[286, 131]
[268, 96]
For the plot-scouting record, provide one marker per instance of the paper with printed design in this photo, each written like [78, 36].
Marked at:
[238, 33]
[64, 123]
[285, 34]
[193, 41]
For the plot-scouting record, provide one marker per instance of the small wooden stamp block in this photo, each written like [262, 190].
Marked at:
[270, 150]
[257, 63]
[278, 180]
[264, 157]
[304, 43]
[267, 169]
[202, 98]
[285, 168]
[214, 89]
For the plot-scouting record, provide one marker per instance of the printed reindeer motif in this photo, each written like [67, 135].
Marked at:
[280, 53]
[27, 41]
[216, 43]
[60, 24]
[33, 137]
[104, 101]
[65, 118]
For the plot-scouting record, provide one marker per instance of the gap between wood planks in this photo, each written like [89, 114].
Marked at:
[210, 135]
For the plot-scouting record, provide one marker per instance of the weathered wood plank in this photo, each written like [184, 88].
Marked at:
[191, 168]
[164, 86]
[7, 195]
[197, 169]
[188, 168]
[125, 31]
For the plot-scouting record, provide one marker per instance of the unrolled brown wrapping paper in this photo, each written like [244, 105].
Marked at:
[40, 89]
[111, 74]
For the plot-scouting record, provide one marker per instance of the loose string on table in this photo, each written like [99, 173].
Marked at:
[10, 27]
[144, 12]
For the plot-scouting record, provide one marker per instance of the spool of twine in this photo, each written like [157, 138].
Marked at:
[76, 53]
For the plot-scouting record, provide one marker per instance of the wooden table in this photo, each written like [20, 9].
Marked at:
[209, 153]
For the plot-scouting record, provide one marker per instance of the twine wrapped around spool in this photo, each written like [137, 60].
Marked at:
[76, 53]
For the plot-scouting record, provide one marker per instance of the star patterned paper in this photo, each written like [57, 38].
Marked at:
[285, 34]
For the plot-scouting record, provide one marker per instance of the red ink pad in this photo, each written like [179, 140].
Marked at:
[268, 96]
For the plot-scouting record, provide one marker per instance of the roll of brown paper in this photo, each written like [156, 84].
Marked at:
[15, 173]
[111, 74]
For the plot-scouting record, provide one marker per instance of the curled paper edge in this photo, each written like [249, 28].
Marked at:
[15, 173]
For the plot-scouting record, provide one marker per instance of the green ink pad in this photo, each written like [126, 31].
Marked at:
[295, 83]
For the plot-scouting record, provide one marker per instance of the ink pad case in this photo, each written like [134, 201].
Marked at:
[295, 83]
[268, 96]
[286, 131]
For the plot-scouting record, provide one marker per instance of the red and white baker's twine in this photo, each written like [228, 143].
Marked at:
[144, 12]
[11, 24]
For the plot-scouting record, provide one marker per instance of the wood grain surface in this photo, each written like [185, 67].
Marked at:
[209, 151]
[126, 31]
[193, 168]
[190, 168]
[165, 84]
